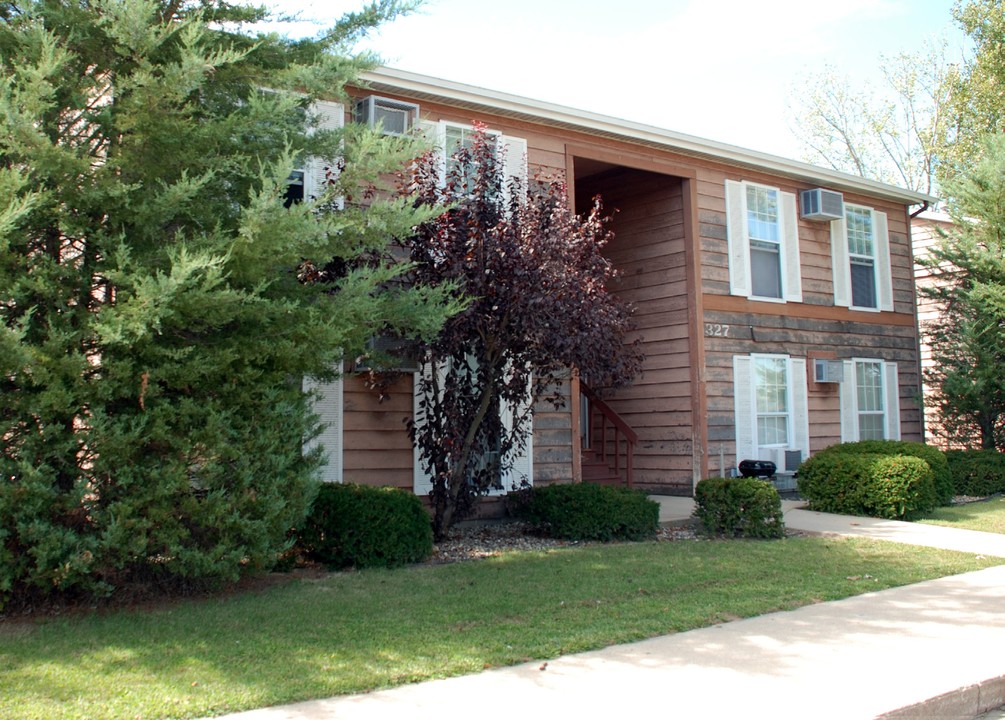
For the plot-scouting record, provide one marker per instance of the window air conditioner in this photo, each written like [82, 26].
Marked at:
[828, 371]
[388, 354]
[393, 116]
[820, 204]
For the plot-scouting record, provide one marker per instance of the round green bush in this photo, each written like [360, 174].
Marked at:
[361, 526]
[895, 487]
[739, 507]
[936, 459]
[583, 511]
[977, 472]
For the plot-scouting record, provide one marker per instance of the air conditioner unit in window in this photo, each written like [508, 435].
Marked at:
[387, 354]
[393, 116]
[820, 204]
[828, 371]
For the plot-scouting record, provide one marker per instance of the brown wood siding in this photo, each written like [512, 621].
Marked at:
[377, 450]
[802, 338]
[648, 251]
[925, 236]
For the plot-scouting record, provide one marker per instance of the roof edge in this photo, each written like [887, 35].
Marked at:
[404, 81]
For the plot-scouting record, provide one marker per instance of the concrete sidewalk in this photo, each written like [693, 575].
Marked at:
[931, 650]
[678, 509]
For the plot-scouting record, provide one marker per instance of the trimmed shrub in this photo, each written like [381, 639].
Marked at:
[895, 487]
[361, 526]
[739, 507]
[583, 511]
[977, 472]
[935, 458]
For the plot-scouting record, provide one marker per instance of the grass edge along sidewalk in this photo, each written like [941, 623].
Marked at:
[359, 631]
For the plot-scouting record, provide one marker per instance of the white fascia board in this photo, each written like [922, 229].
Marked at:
[452, 93]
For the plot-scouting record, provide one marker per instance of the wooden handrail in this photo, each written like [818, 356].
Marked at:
[621, 429]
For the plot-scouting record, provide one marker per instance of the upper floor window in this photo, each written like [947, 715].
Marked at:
[449, 137]
[763, 242]
[861, 259]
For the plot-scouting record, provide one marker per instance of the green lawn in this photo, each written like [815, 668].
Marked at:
[352, 632]
[988, 515]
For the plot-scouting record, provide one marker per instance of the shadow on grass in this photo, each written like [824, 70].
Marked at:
[357, 631]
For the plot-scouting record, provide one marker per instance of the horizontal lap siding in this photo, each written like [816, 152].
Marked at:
[377, 450]
[802, 337]
[784, 328]
[649, 254]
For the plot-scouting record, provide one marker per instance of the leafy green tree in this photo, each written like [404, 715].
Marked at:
[977, 92]
[161, 291]
[968, 339]
[534, 281]
[894, 133]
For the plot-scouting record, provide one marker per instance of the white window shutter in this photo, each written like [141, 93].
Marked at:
[849, 404]
[328, 406]
[736, 238]
[840, 263]
[422, 481]
[331, 116]
[514, 164]
[745, 418]
[435, 133]
[800, 407]
[884, 272]
[891, 387]
[793, 284]
[523, 461]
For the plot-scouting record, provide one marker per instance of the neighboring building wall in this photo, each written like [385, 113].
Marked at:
[924, 235]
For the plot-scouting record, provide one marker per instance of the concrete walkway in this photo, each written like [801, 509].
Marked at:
[931, 650]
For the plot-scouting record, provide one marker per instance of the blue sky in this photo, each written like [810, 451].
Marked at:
[719, 69]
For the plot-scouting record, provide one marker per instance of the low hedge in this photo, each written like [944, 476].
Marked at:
[895, 487]
[361, 526]
[739, 507]
[583, 511]
[977, 472]
[935, 458]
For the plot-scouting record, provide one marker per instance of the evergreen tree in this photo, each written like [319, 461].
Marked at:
[968, 339]
[161, 292]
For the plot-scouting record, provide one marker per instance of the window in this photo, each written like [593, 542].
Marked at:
[861, 259]
[452, 136]
[770, 403]
[869, 388]
[456, 138]
[522, 461]
[763, 242]
[862, 256]
[870, 401]
[771, 396]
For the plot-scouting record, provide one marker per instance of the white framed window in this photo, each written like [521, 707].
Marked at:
[762, 234]
[770, 408]
[448, 137]
[860, 254]
[870, 400]
[522, 465]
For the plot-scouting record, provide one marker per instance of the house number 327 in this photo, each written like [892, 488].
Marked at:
[716, 330]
